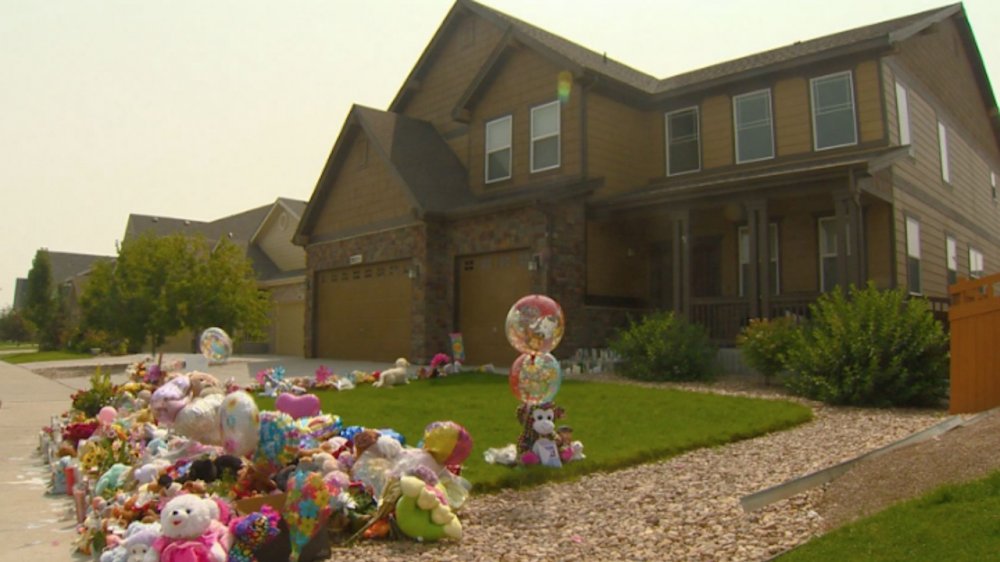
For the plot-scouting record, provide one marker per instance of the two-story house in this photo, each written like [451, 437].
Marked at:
[513, 161]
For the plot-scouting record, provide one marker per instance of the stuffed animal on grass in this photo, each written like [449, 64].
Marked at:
[539, 442]
[395, 376]
[188, 532]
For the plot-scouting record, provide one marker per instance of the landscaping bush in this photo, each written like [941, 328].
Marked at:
[765, 344]
[664, 347]
[871, 348]
[100, 394]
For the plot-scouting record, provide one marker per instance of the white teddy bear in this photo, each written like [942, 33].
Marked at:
[188, 533]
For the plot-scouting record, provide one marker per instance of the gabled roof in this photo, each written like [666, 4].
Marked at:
[418, 157]
[294, 207]
[579, 59]
[66, 265]
[874, 36]
[240, 226]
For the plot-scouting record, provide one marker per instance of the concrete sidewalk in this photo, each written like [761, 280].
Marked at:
[33, 525]
[37, 526]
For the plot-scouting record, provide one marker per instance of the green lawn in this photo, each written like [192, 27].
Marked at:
[36, 356]
[619, 425]
[957, 523]
[5, 345]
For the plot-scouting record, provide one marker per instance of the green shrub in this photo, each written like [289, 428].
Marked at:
[100, 394]
[664, 347]
[871, 348]
[765, 344]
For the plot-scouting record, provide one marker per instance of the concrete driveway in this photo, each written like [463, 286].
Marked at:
[36, 526]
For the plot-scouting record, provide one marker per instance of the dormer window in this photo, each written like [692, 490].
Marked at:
[683, 143]
[545, 137]
[754, 133]
[498, 149]
[833, 111]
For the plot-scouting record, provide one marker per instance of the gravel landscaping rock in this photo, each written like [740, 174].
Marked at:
[685, 508]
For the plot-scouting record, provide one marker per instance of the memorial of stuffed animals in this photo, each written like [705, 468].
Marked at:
[177, 465]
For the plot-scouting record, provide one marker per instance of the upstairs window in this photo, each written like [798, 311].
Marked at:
[498, 150]
[683, 142]
[752, 122]
[975, 263]
[545, 137]
[952, 249]
[902, 114]
[913, 255]
[943, 149]
[775, 272]
[833, 111]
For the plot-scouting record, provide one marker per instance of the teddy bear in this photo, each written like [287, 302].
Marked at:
[395, 376]
[539, 442]
[137, 543]
[188, 533]
[170, 399]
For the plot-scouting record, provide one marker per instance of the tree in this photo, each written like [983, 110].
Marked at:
[159, 286]
[40, 307]
[15, 327]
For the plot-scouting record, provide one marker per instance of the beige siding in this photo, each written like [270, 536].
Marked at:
[878, 229]
[625, 145]
[716, 132]
[869, 92]
[275, 239]
[523, 81]
[361, 195]
[792, 120]
[938, 61]
[458, 59]
[612, 251]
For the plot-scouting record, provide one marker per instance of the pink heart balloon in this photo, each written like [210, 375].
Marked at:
[303, 406]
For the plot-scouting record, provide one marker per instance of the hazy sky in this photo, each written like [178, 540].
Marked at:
[203, 108]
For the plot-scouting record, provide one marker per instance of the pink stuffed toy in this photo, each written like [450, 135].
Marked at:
[189, 534]
[170, 399]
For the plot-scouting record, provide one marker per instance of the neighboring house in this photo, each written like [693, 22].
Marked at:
[264, 233]
[69, 273]
[513, 161]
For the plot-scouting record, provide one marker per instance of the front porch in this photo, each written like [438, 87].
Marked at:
[723, 254]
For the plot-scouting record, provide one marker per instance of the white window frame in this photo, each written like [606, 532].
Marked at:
[744, 256]
[812, 108]
[943, 150]
[913, 251]
[951, 256]
[557, 134]
[697, 137]
[819, 249]
[903, 115]
[976, 264]
[736, 124]
[993, 185]
[510, 147]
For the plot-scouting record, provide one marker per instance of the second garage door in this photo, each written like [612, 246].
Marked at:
[363, 312]
[488, 284]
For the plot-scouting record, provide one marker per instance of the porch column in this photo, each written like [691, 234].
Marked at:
[681, 230]
[759, 234]
[850, 239]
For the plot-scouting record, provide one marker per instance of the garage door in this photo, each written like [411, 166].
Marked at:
[289, 328]
[488, 284]
[363, 312]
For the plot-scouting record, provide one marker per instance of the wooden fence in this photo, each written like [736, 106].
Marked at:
[975, 344]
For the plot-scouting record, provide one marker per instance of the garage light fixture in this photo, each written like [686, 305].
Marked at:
[535, 263]
[413, 271]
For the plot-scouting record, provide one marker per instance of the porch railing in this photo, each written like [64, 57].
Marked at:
[722, 316]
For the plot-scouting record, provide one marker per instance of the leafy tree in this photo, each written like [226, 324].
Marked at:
[15, 327]
[161, 285]
[41, 306]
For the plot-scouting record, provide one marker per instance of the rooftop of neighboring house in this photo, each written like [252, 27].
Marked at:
[239, 228]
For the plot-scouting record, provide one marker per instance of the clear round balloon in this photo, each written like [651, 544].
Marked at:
[215, 345]
[535, 324]
[535, 379]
